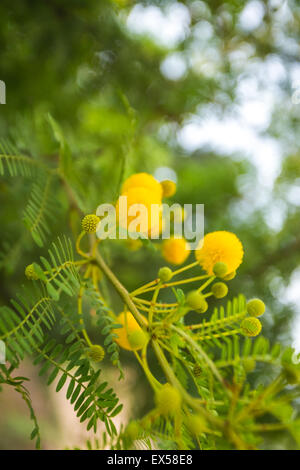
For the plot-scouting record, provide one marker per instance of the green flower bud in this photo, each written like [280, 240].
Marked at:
[137, 339]
[219, 290]
[196, 301]
[168, 400]
[30, 273]
[251, 326]
[256, 307]
[90, 222]
[96, 353]
[220, 269]
[229, 276]
[165, 274]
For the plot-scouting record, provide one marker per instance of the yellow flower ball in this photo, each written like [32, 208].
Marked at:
[150, 216]
[168, 187]
[130, 326]
[175, 250]
[220, 247]
[143, 180]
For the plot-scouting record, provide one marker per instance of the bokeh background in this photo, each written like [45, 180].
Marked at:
[203, 92]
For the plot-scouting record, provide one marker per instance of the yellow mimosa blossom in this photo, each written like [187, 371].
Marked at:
[222, 246]
[149, 214]
[143, 180]
[175, 250]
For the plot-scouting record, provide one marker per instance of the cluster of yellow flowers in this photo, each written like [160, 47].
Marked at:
[216, 247]
[144, 189]
[219, 254]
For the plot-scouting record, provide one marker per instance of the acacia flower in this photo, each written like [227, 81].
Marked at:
[175, 250]
[222, 246]
[143, 180]
[149, 214]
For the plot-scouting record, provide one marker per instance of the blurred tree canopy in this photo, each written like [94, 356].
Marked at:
[120, 111]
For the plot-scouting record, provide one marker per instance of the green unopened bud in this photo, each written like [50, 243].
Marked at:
[165, 274]
[203, 307]
[220, 269]
[229, 276]
[256, 307]
[30, 273]
[219, 290]
[168, 400]
[251, 326]
[90, 222]
[137, 339]
[196, 301]
[96, 353]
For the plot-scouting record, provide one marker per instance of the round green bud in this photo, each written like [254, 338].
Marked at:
[96, 353]
[196, 424]
[196, 301]
[90, 222]
[133, 430]
[137, 339]
[197, 370]
[165, 274]
[220, 269]
[30, 273]
[219, 290]
[168, 400]
[251, 326]
[203, 308]
[256, 307]
[229, 276]
[249, 364]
